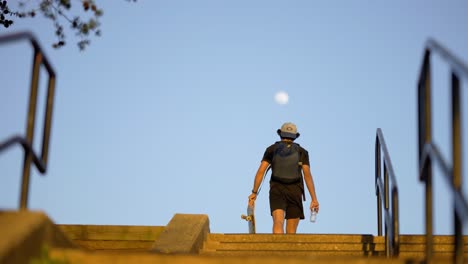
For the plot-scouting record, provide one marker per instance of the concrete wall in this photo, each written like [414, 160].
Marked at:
[184, 234]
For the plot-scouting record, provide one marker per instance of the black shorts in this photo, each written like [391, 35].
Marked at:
[287, 197]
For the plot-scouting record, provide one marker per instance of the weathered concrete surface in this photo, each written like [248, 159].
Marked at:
[89, 257]
[184, 234]
[411, 246]
[338, 245]
[24, 233]
[113, 237]
[111, 232]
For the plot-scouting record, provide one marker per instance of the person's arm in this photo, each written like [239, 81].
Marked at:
[258, 180]
[311, 187]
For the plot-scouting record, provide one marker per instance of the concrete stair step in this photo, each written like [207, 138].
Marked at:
[328, 238]
[302, 253]
[114, 245]
[102, 257]
[421, 239]
[294, 246]
[298, 238]
[436, 248]
[111, 232]
[421, 254]
[403, 255]
[112, 237]
[299, 246]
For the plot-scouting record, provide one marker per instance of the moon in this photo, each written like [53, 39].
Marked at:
[281, 98]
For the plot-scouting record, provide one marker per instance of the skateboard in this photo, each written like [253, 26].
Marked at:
[250, 218]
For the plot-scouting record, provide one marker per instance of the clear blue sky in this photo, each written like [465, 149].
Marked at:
[170, 110]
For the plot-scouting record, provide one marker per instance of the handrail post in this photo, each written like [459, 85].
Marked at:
[388, 233]
[429, 238]
[379, 214]
[387, 244]
[457, 165]
[386, 187]
[31, 119]
[377, 189]
[425, 136]
[396, 223]
[48, 119]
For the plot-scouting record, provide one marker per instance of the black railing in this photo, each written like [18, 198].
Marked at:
[27, 141]
[429, 152]
[386, 192]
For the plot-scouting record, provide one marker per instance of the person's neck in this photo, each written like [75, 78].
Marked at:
[287, 140]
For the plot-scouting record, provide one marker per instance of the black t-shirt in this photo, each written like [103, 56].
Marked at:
[270, 151]
[303, 157]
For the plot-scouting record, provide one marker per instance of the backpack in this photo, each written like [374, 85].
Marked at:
[286, 165]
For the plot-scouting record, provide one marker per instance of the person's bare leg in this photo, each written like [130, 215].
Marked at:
[278, 221]
[291, 225]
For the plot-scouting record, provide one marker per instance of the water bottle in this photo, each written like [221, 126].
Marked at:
[313, 215]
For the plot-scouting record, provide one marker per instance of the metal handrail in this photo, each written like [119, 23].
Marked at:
[392, 231]
[27, 141]
[432, 151]
[429, 152]
[457, 65]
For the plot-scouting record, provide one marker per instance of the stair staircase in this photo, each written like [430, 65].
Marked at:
[339, 245]
[24, 235]
[134, 246]
[292, 245]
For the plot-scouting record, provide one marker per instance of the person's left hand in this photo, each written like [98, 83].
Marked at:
[314, 205]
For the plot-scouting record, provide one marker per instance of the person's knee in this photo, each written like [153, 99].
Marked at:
[278, 215]
[278, 221]
[291, 230]
[278, 230]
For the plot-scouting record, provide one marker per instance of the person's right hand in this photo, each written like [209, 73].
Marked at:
[252, 199]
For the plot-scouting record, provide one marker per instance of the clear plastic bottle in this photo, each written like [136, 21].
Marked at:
[313, 215]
